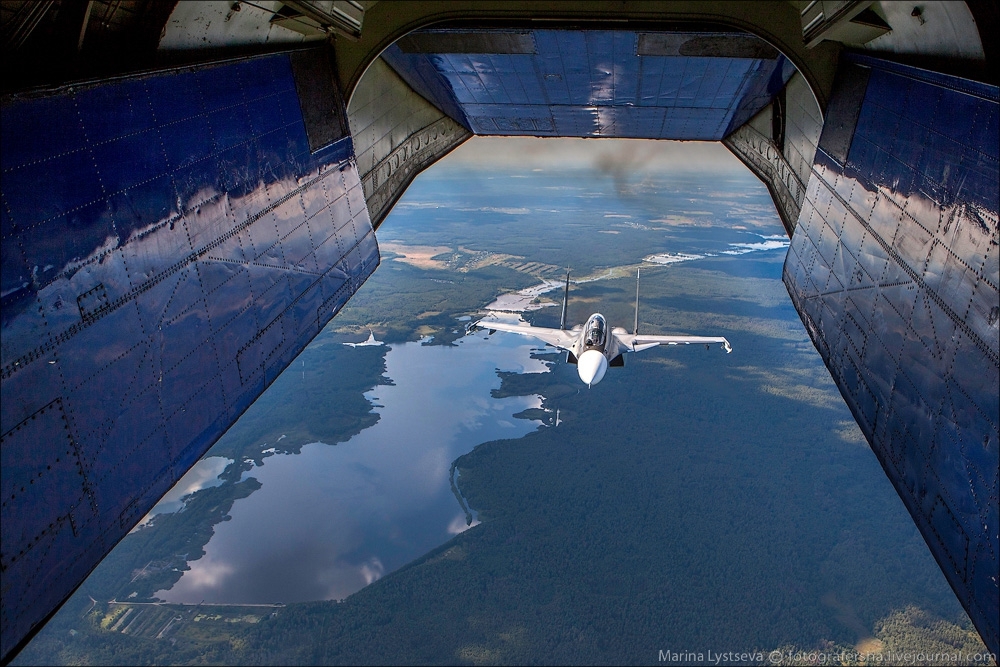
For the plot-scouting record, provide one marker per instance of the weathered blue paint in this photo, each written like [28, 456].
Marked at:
[593, 83]
[169, 245]
[893, 268]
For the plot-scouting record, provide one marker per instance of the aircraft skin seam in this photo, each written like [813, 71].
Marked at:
[192, 257]
[938, 301]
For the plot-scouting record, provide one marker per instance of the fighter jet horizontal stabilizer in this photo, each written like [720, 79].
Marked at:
[594, 347]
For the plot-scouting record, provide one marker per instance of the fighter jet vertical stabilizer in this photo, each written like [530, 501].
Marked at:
[595, 346]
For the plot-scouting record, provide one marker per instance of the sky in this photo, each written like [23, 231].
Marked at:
[611, 155]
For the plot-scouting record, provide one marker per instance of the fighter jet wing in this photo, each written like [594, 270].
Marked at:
[639, 342]
[560, 338]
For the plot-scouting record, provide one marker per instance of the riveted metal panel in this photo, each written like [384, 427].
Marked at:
[593, 83]
[161, 267]
[893, 268]
[397, 133]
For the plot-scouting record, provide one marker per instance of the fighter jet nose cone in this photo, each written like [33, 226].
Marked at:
[592, 365]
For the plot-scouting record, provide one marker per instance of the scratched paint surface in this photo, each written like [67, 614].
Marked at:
[894, 270]
[169, 245]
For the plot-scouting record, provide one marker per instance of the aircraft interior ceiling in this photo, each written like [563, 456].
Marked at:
[191, 191]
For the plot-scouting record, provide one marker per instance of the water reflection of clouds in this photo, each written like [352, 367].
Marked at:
[207, 574]
[349, 514]
[204, 474]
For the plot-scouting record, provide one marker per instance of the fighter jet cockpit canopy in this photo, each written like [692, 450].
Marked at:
[595, 331]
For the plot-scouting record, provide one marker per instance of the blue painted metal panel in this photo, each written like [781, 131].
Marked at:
[593, 83]
[169, 245]
[894, 269]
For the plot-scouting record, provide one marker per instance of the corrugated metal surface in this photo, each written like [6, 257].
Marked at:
[894, 270]
[169, 245]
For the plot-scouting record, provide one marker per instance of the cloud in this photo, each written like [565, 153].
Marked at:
[458, 525]
[806, 385]
[372, 570]
[618, 158]
[498, 209]
[672, 257]
[422, 204]
[769, 244]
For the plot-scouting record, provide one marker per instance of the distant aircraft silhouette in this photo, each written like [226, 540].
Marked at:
[368, 343]
[592, 347]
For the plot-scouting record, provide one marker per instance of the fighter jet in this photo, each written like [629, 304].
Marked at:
[368, 343]
[593, 347]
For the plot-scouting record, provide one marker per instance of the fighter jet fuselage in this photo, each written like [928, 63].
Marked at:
[594, 347]
[595, 350]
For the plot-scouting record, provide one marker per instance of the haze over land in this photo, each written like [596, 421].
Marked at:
[691, 502]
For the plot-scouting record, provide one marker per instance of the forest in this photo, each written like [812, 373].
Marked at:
[643, 522]
[692, 502]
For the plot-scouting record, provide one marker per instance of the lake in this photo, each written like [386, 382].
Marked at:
[333, 519]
